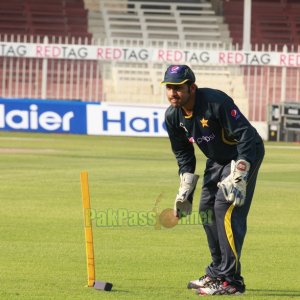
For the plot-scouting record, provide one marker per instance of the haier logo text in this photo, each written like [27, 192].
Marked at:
[128, 121]
[24, 119]
[138, 124]
[42, 117]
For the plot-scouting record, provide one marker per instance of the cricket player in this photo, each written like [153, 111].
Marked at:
[208, 118]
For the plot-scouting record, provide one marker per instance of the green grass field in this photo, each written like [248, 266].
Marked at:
[42, 236]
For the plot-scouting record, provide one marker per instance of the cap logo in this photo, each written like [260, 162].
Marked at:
[174, 69]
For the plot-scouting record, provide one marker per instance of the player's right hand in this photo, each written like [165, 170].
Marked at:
[184, 199]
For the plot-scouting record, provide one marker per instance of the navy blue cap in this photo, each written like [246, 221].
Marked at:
[178, 74]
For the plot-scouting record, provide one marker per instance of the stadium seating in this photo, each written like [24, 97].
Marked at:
[158, 20]
[274, 22]
[12, 18]
[47, 17]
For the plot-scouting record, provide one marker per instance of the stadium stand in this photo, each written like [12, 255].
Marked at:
[12, 18]
[95, 20]
[176, 24]
[145, 23]
[273, 21]
[184, 20]
[161, 20]
[47, 17]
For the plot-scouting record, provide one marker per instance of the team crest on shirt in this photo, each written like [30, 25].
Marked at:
[204, 122]
[235, 114]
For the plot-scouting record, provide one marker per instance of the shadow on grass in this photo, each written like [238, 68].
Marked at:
[119, 291]
[272, 293]
[113, 291]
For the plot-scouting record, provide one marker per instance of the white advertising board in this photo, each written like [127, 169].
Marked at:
[125, 120]
[156, 55]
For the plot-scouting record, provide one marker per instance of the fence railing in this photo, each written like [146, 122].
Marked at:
[126, 70]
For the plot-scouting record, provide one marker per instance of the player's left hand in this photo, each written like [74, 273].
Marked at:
[235, 184]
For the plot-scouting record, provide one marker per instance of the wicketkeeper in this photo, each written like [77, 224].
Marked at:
[210, 119]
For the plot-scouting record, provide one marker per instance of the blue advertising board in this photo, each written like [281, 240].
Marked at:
[43, 116]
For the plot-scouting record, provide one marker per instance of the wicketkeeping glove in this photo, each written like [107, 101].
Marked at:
[184, 199]
[234, 186]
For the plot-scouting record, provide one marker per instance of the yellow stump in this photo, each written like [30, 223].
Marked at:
[88, 228]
